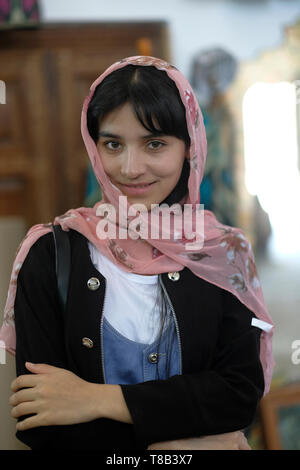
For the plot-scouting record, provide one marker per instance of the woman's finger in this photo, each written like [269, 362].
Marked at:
[32, 422]
[27, 394]
[28, 380]
[26, 408]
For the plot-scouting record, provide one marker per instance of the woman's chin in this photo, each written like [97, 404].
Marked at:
[134, 201]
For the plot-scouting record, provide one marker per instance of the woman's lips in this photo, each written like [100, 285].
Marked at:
[135, 190]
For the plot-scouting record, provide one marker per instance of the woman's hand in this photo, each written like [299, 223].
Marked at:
[229, 441]
[55, 396]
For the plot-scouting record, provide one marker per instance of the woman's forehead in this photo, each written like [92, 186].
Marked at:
[123, 120]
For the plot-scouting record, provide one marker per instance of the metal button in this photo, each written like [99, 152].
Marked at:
[87, 342]
[93, 283]
[153, 358]
[174, 276]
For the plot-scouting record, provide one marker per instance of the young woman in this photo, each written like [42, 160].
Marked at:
[164, 339]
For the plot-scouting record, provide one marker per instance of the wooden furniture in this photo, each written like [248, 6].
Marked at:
[47, 72]
[280, 418]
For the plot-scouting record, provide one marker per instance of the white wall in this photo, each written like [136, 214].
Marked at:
[243, 27]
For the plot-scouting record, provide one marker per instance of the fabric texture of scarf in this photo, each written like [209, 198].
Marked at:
[225, 258]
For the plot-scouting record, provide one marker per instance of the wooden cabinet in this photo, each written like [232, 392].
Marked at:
[47, 73]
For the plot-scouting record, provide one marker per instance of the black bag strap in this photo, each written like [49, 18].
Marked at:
[63, 262]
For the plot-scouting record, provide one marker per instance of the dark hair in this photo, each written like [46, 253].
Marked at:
[153, 95]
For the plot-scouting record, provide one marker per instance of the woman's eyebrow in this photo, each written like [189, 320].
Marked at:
[115, 136]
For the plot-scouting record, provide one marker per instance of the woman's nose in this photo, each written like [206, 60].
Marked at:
[132, 164]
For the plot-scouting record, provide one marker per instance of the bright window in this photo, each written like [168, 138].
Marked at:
[271, 153]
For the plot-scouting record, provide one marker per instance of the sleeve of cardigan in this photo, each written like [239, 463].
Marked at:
[40, 339]
[222, 399]
[38, 327]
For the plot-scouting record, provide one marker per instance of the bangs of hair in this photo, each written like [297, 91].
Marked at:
[153, 95]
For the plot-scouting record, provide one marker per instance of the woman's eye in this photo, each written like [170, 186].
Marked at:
[156, 145]
[111, 145]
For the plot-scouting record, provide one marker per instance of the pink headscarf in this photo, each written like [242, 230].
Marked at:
[226, 258]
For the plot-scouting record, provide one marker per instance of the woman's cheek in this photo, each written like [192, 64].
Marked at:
[109, 166]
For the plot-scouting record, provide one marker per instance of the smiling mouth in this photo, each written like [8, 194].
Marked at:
[138, 185]
[137, 190]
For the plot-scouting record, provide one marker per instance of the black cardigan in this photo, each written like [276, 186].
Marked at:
[222, 378]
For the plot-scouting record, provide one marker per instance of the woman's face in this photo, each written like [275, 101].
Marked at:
[132, 157]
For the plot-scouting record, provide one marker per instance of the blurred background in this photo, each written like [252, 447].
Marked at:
[242, 57]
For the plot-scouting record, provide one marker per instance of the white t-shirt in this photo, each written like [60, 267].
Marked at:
[130, 298]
